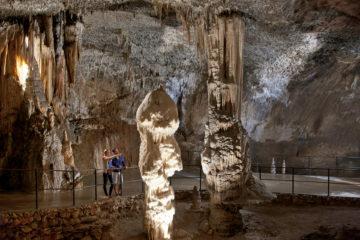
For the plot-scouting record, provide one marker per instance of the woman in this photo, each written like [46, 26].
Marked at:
[107, 175]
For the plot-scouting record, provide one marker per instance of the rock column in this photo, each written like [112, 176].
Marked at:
[157, 120]
[225, 159]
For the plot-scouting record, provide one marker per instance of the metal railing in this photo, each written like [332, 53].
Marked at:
[310, 161]
[34, 188]
[330, 177]
[84, 189]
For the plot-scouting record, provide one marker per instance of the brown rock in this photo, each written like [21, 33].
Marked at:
[68, 229]
[75, 214]
[59, 236]
[82, 227]
[78, 235]
[46, 231]
[107, 236]
[86, 238]
[34, 225]
[96, 233]
[16, 222]
[88, 219]
[204, 226]
[180, 233]
[26, 229]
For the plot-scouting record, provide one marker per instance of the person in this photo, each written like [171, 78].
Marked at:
[107, 175]
[118, 164]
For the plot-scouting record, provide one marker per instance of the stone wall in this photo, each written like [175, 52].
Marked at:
[306, 200]
[91, 221]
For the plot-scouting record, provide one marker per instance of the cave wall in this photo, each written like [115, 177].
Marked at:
[124, 56]
[301, 87]
[301, 79]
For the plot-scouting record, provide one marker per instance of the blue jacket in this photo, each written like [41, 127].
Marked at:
[117, 162]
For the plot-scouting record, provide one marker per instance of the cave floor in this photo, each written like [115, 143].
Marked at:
[268, 221]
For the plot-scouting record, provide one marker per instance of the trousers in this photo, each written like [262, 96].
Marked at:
[107, 177]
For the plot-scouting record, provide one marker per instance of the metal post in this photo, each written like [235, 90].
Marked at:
[292, 180]
[36, 188]
[96, 197]
[200, 177]
[121, 189]
[328, 182]
[73, 189]
[260, 173]
[337, 166]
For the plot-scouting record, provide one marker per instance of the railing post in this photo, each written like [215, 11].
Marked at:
[96, 197]
[337, 166]
[121, 188]
[36, 189]
[73, 186]
[200, 177]
[292, 180]
[328, 182]
[260, 173]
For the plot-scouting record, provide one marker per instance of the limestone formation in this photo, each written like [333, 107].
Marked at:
[196, 199]
[33, 95]
[225, 158]
[67, 151]
[157, 120]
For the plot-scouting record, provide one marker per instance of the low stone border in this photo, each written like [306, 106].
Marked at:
[94, 220]
[302, 199]
[90, 221]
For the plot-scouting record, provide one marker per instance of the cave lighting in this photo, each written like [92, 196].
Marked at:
[22, 71]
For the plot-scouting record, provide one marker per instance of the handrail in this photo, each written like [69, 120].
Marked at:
[318, 168]
[328, 178]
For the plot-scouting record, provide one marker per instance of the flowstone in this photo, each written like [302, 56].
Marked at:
[157, 120]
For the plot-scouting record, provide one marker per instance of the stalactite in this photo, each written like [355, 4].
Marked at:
[72, 41]
[40, 41]
[60, 77]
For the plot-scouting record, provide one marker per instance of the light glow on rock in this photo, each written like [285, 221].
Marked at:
[157, 121]
[22, 71]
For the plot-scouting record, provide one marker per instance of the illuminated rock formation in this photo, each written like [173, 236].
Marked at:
[35, 69]
[157, 120]
[225, 159]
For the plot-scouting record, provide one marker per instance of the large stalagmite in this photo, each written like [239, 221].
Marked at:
[157, 120]
[225, 159]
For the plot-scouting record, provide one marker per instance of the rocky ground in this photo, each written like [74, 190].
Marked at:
[260, 222]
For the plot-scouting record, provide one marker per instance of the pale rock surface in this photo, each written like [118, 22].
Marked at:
[157, 120]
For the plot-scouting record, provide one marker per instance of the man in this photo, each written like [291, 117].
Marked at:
[107, 175]
[118, 164]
